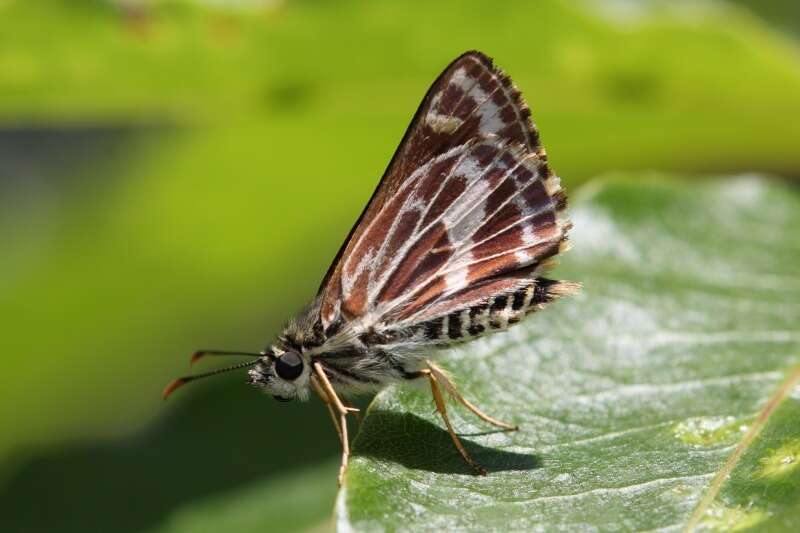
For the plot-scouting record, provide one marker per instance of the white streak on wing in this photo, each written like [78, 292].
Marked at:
[472, 171]
[461, 227]
[367, 259]
[522, 257]
[456, 280]
[486, 109]
[463, 265]
[410, 202]
[479, 95]
[462, 212]
[469, 168]
[435, 100]
[401, 253]
[462, 220]
[455, 203]
[490, 118]
[527, 217]
[463, 259]
[528, 236]
[460, 79]
[348, 281]
[508, 174]
[493, 118]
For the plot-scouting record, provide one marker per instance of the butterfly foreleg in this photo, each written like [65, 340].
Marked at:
[324, 397]
[337, 410]
[448, 385]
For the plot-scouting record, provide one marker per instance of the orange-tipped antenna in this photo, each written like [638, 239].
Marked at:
[199, 354]
[169, 389]
[180, 382]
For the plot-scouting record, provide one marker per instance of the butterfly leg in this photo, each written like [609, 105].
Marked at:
[324, 397]
[440, 406]
[441, 376]
[337, 409]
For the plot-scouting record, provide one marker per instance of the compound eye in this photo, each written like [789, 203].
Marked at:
[289, 366]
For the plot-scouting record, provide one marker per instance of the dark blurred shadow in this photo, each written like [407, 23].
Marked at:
[416, 443]
[225, 436]
[51, 152]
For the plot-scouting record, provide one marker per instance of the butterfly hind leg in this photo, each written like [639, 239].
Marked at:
[438, 399]
[444, 380]
[338, 411]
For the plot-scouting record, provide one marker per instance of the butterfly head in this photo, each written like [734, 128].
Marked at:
[282, 373]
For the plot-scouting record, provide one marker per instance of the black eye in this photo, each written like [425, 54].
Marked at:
[289, 366]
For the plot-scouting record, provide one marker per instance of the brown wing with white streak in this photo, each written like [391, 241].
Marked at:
[467, 197]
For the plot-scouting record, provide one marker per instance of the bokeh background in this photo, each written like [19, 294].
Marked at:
[178, 174]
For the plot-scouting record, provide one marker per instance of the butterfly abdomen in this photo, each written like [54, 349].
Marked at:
[497, 314]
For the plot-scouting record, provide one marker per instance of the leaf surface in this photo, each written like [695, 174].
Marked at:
[674, 364]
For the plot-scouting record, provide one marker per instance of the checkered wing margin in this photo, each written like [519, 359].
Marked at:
[467, 209]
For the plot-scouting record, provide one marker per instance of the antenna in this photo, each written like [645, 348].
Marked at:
[199, 354]
[180, 382]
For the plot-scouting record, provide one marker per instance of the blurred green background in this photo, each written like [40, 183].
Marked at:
[178, 174]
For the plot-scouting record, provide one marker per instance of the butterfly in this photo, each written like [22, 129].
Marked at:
[451, 246]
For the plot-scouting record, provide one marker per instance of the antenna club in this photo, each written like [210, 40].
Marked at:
[169, 389]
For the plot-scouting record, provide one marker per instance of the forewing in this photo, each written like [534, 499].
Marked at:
[468, 162]
[472, 98]
[468, 220]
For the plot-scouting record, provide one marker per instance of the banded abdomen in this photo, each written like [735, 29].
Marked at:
[496, 314]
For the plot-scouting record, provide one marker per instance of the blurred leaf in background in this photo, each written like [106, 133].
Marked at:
[784, 14]
[177, 174]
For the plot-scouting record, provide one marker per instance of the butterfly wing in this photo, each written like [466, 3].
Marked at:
[467, 206]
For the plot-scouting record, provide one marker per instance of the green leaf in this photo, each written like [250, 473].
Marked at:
[300, 501]
[669, 374]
